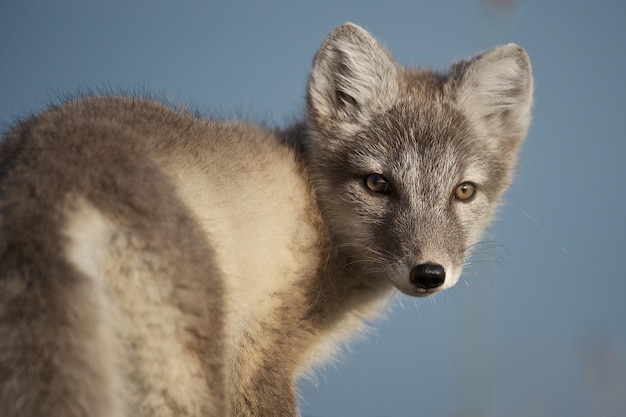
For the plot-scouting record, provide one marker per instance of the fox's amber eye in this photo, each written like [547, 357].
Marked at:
[376, 183]
[465, 191]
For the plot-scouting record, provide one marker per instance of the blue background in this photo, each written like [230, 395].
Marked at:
[538, 325]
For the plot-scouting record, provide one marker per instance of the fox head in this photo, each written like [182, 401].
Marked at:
[409, 165]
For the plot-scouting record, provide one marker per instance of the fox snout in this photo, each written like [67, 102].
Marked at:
[425, 277]
[428, 276]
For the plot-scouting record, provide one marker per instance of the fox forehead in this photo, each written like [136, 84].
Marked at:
[423, 131]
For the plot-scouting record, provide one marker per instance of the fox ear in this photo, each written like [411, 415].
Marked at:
[353, 77]
[496, 88]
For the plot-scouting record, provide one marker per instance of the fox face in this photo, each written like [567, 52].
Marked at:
[409, 165]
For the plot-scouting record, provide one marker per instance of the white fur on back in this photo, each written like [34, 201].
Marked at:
[142, 332]
[88, 234]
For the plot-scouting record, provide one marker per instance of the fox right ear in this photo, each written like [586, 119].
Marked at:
[353, 78]
[496, 88]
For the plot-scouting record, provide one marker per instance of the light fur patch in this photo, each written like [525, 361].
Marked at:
[260, 239]
[88, 233]
[263, 237]
[141, 329]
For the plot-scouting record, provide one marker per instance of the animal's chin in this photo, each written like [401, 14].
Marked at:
[408, 288]
[425, 293]
[418, 292]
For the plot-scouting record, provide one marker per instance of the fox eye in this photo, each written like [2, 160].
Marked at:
[465, 191]
[376, 183]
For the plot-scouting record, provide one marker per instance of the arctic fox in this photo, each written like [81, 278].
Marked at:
[153, 263]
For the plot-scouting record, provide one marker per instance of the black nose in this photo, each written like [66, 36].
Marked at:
[428, 276]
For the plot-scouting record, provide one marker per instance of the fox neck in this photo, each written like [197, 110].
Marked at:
[341, 299]
[350, 290]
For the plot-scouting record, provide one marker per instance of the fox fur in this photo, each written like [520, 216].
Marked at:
[155, 263]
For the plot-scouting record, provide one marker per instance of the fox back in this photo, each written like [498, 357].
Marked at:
[154, 263]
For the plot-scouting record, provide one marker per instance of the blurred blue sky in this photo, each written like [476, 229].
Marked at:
[540, 332]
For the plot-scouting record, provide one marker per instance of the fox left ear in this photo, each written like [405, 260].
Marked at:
[495, 88]
[353, 78]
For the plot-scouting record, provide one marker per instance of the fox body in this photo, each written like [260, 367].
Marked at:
[153, 263]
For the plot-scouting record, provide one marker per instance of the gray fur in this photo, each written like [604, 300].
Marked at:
[153, 263]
